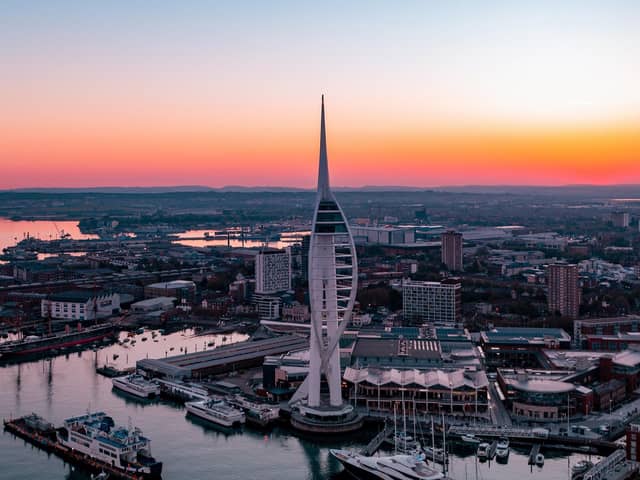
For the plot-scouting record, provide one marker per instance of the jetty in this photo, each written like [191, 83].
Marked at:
[373, 446]
[527, 436]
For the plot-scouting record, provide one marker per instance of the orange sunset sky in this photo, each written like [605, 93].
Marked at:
[228, 93]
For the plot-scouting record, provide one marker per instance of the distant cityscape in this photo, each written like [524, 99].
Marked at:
[496, 323]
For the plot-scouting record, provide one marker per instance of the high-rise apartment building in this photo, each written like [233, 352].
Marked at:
[439, 303]
[620, 219]
[564, 290]
[452, 250]
[273, 271]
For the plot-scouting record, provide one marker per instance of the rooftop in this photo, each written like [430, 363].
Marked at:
[424, 378]
[518, 335]
[541, 385]
[394, 347]
[172, 284]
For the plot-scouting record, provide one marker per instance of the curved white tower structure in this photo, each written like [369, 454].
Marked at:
[333, 274]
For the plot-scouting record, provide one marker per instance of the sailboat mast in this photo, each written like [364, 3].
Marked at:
[404, 423]
[433, 441]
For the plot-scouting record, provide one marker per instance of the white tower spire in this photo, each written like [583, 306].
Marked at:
[332, 288]
[324, 191]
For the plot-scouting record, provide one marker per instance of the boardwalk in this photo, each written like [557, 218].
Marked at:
[376, 441]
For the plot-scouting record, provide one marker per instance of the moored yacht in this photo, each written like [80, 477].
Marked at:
[580, 468]
[395, 467]
[96, 436]
[483, 451]
[502, 449]
[470, 439]
[216, 411]
[136, 385]
[434, 454]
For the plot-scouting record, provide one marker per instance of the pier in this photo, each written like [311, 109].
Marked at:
[492, 450]
[376, 441]
[538, 435]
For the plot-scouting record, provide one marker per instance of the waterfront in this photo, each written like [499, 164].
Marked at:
[11, 232]
[68, 385]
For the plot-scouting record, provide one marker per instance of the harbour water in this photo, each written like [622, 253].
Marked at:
[68, 385]
[11, 232]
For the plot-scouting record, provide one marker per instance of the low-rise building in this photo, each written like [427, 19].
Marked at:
[520, 347]
[153, 304]
[80, 305]
[175, 288]
[457, 392]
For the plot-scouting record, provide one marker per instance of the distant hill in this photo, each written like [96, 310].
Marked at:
[630, 190]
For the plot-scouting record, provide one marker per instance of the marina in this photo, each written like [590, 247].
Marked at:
[62, 386]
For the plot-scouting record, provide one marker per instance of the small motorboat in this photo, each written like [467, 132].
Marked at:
[470, 438]
[483, 451]
[502, 449]
[539, 461]
[580, 468]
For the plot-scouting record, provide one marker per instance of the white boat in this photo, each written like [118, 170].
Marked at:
[96, 436]
[434, 454]
[539, 461]
[470, 439]
[405, 443]
[483, 451]
[257, 413]
[136, 385]
[395, 467]
[216, 411]
[580, 468]
[502, 449]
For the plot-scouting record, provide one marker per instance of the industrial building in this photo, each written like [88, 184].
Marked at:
[222, 359]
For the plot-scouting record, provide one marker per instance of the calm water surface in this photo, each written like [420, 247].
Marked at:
[12, 232]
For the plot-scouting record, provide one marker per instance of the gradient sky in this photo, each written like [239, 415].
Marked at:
[419, 93]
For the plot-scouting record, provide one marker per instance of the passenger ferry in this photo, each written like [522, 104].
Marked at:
[257, 413]
[96, 436]
[216, 411]
[136, 385]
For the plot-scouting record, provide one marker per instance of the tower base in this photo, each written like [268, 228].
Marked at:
[326, 419]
